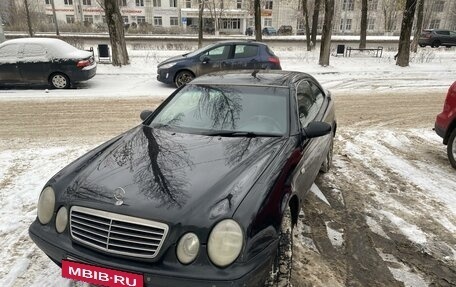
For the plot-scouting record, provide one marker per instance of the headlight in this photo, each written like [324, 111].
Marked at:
[225, 242]
[167, 66]
[46, 205]
[61, 219]
[187, 248]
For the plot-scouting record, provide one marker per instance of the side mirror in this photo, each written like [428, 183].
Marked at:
[316, 129]
[206, 60]
[145, 114]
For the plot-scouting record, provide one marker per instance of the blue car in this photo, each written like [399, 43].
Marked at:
[220, 56]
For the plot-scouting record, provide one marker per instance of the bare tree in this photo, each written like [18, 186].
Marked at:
[363, 34]
[2, 34]
[316, 14]
[200, 23]
[29, 22]
[305, 13]
[54, 16]
[116, 33]
[257, 13]
[325, 46]
[419, 26]
[390, 13]
[403, 55]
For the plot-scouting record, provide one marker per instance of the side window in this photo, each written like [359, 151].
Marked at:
[245, 51]
[219, 53]
[9, 53]
[34, 53]
[453, 34]
[310, 99]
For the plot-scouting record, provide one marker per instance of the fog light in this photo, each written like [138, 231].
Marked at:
[61, 220]
[187, 248]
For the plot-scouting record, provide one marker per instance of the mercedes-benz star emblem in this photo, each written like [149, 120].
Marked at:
[119, 194]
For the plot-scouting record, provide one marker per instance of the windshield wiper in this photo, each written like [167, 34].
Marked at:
[241, 134]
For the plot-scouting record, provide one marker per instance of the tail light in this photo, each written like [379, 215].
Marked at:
[274, 60]
[83, 63]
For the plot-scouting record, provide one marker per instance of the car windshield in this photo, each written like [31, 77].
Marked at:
[200, 50]
[226, 110]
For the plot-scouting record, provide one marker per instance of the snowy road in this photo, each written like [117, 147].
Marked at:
[384, 216]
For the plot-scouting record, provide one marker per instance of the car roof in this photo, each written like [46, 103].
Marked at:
[45, 41]
[276, 78]
[239, 42]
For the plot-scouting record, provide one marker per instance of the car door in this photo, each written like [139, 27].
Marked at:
[34, 64]
[9, 70]
[310, 100]
[215, 59]
[245, 57]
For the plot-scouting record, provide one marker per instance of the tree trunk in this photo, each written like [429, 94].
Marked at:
[2, 33]
[403, 55]
[200, 24]
[325, 46]
[305, 13]
[362, 40]
[29, 22]
[257, 9]
[116, 33]
[57, 32]
[316, 14]
[419, 26]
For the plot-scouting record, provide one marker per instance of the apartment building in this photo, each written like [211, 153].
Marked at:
[233, 16]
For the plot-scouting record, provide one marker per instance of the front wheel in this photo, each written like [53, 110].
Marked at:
[183, 77]
[59, 81]
[280, 274]
[422, 46]
[451, 148]
[436, 43]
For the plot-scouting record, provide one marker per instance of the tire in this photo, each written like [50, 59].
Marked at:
[183, 77]
[326, 166]
[451, 148]
[59, 81]
[280, 273]
[436, 43]
[422, 46]
[448, 47]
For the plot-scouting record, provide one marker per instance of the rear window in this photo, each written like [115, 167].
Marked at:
[245, 51]
[270, 52]
[443, 32]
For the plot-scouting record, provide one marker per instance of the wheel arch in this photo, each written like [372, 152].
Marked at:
[293, 203]
[450, 128]
[183, 70]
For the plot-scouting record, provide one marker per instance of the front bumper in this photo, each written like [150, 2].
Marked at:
[162, 272]
[165, 76]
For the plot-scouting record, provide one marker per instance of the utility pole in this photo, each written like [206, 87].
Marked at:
[57, 32]
[2, 34]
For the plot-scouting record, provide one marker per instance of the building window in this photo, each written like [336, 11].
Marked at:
[140, 3]
[70, 19]
[371, 24]
[231, 24]
[50, 19]
[158, 21]
[47, 2]
[348, 24]
[438, 6]
[103, 19]
[125, 19]
[123, 3]
[173, 21]
[87, 2]
[268, 4]
[239, 4]
[157, 3]
[68, 2]
[141, 19]
[188, 3]
[372, 5]
[88, 19]
[172, 3]
[348, 5]
[435, 24]
[345, 24]
[267, 22]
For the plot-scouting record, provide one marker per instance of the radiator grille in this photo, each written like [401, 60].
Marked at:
[116, 233]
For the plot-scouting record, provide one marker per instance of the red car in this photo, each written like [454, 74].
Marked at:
[445, 124]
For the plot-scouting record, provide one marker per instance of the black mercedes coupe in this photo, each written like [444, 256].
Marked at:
[205, 192]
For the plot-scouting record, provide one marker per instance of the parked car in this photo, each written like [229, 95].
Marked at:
[249, 31]
[269, 31]
[43, 60]
[301, 31]
[220, 56]
[445, 124]
[436, 38]
[285, 30]
[205, 192]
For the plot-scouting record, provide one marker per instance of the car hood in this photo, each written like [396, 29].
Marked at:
[172, 60]
[172, 177]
